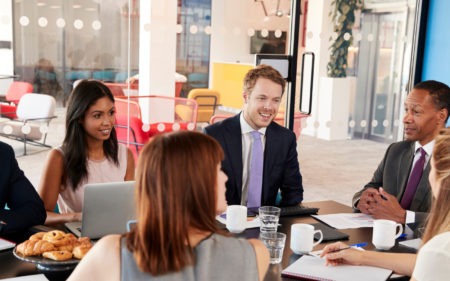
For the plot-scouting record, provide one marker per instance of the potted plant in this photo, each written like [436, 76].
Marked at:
[335, 89]
[343, 18]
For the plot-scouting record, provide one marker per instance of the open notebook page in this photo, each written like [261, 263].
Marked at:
[314, 268]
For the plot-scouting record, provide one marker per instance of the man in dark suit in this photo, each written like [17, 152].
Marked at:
[260, 155]
[402, 176]
[25, 208]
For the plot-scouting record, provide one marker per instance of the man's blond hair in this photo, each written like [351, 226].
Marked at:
[262, 71]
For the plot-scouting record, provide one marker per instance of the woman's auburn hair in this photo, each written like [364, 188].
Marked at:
[439, 218]
[175, 194]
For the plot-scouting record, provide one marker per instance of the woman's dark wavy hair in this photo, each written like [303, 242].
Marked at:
[74, 147]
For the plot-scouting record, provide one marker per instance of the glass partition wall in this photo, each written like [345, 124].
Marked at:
[178, 46]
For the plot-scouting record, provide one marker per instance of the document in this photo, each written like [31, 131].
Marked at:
[36, 277]
[5, 244]
[314, 268]
[346, 220]
[413, 243]
[252, 222]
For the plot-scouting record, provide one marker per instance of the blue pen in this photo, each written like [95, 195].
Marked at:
[402, 236]
[358, 245]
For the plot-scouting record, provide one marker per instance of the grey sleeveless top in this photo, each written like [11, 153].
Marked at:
[216, 258]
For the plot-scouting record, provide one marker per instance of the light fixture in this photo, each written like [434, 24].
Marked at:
[278, 12]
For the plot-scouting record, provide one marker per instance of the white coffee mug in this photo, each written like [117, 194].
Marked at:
[236, 218]
[384, 233]
[302, 238]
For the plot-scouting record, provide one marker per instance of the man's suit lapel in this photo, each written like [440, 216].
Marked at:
[233, 141]
[405, 168]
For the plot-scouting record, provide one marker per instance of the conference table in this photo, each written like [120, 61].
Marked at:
[12, 267]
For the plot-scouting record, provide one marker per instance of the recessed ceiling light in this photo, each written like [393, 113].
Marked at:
[41, 4]
[55, 7]
[76, 6]
[91, 9]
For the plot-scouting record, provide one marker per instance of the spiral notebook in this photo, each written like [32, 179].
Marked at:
[314, 268]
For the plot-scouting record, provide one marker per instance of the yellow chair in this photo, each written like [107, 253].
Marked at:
[207, 100]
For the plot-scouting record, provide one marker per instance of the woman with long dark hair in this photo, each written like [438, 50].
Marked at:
[432, 261]
[90, 153]
[180, 188]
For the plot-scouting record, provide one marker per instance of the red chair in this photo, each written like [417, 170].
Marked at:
[132, 130]
[15, 92]
[219, 117]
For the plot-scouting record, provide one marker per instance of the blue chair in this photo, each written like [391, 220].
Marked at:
[122, 76]
[78, 74]
[103, 75]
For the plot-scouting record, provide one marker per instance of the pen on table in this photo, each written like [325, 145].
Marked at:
[351, 246]
[402, 236]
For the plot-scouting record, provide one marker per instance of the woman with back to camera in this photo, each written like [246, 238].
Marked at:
[90, 153]
[180, 188]
[433, 260]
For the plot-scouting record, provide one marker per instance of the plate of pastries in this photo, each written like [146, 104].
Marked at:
[53, 248]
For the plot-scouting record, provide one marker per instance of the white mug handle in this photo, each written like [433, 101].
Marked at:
[320, 239]
[399, 232]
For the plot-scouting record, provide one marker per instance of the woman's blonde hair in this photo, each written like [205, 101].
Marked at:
[439, 218]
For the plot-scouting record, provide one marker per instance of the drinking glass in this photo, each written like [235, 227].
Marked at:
[274, 242]
[269, 217]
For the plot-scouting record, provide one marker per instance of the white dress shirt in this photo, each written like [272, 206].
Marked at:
[247, 145]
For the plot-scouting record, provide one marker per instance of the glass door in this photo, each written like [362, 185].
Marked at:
[387, 83]
[382, 66]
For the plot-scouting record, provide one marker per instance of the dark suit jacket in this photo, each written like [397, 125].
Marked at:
[281, 168]
[392, 174]
[25, 207]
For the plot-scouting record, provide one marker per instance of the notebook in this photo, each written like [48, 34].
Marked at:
[314, 268]
[329, 234]
[5, 244]
[107, 207]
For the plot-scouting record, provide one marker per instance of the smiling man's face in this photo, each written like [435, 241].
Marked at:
[261, 105]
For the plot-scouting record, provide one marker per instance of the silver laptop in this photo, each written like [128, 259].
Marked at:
[107, 207]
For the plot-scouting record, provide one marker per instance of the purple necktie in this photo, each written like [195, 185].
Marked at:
[413, 181]
[256, 172]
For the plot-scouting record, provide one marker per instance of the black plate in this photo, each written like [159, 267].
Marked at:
[48, 264]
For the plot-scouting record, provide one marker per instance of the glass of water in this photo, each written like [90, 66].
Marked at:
[274, 242]
[269, 217]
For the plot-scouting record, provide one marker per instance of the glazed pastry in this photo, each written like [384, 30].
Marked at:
[58, 255]
[56, 237]
[35, 247]
[80, 251]
[37, 236]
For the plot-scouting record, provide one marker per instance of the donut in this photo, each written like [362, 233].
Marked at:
[58, 255]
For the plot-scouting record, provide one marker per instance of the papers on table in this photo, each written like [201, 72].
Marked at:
[413, 243]
[36, 277]
[314, 268]
[346, 220]
[252, 222]
[5, 244]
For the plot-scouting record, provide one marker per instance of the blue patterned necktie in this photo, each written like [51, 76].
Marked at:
[256, 172]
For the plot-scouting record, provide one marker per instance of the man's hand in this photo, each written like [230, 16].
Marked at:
[388, 208]
[367, 200]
